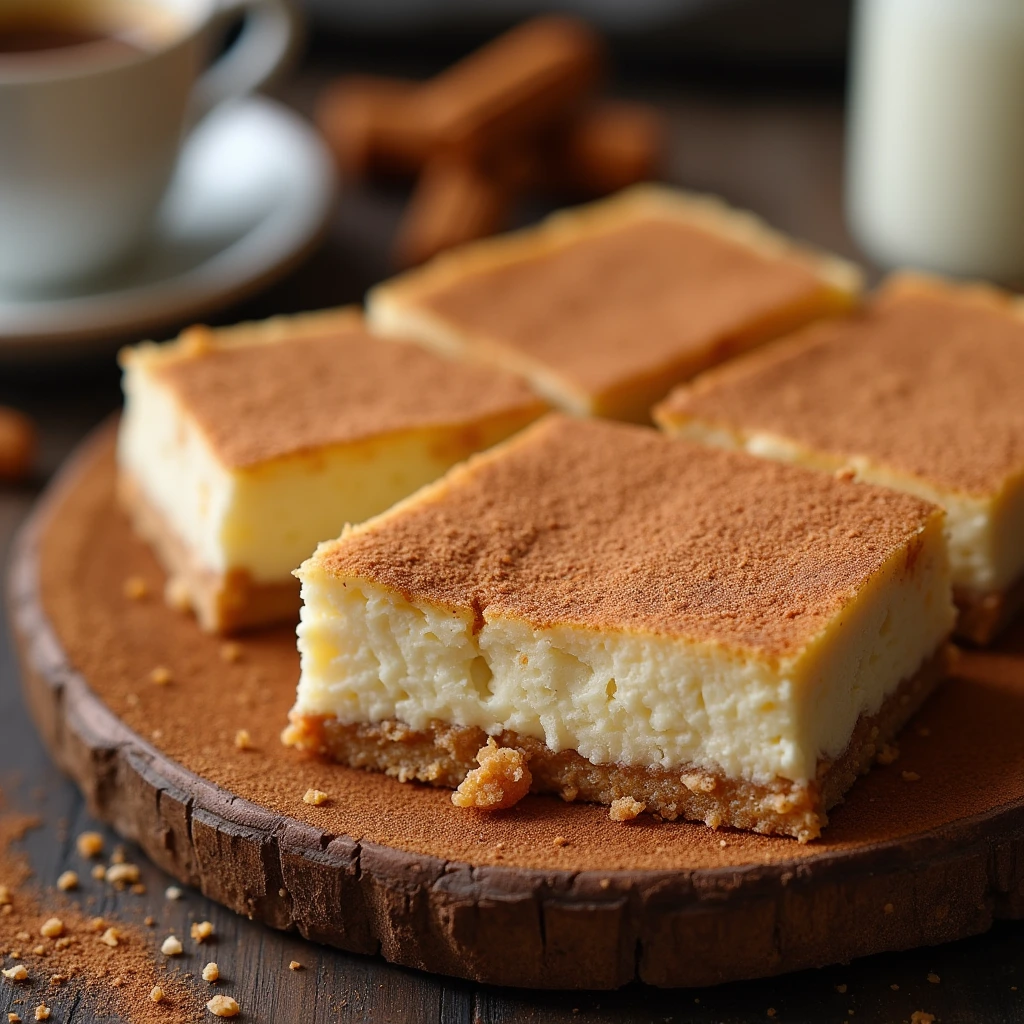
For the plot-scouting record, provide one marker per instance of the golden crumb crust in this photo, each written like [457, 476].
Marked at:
[927, 380]
[512, 765]
[610, 526]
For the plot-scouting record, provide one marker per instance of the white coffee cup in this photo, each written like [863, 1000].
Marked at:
[89, 140]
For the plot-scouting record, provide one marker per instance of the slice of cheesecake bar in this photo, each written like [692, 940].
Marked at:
[924, 392]
[605, 307]
[650, 624]
[241, 448]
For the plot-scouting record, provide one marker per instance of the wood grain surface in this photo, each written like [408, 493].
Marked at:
[779, 155]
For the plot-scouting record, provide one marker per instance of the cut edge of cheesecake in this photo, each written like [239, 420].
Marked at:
[393, 307]
[907, 593]
[443, 755]
[235, 596]
[983, 612]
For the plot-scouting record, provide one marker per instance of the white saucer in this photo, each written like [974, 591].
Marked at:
[252, 192]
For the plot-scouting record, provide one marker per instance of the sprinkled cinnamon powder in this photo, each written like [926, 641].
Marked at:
[973, 723]
[73, 960]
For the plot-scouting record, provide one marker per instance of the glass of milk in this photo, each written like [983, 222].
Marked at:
[935, 165]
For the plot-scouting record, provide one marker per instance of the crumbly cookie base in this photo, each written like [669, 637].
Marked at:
[443, 754]
[982, 617]
[223, 602]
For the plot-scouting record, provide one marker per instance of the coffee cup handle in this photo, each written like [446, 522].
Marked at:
[267, 40]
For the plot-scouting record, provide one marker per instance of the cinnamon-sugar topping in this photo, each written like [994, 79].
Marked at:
[618, 305]
[263, 401]
[603, 525]
[929, 381]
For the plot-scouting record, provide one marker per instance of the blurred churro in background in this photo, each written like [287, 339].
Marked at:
[519, 116]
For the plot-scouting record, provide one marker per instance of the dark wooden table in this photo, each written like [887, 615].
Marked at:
[780, 156]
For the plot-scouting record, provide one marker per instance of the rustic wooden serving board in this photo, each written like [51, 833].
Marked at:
[545, 895]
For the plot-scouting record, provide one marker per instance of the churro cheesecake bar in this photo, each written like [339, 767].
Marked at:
[924, 392]
[605, 307]
[597, 611]
[241, 448]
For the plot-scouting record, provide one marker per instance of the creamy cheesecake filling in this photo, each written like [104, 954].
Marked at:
[265, 519]
[370, 655]
[985, 533]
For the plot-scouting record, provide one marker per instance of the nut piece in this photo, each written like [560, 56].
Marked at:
[211, 973]
[501, 781]
[17, 973]
[90, 844]
[295, 966]
[53, 928]
[111, 937]
[68, 881]
[625, 808]
[171, 946]
[223, 1006]
[202, 931]
[156, 994]
[316, 797]
[17, 444]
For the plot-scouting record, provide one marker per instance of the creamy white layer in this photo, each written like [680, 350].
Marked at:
[266, 519]
[369, 654]
[985, 534]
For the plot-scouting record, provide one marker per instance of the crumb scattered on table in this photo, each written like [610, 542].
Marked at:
[135, 588]
[171, 946]
[90, 844]
[223, 1006]
[161, 675]
[315, 797]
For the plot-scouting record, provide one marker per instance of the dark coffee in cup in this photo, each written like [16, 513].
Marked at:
[87, 29]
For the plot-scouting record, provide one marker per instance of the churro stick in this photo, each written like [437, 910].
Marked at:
[369, 125]
[17, 445]
[609, 146]
[454, 202]
[527, 79]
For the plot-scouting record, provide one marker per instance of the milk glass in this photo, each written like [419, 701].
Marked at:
[935, 167]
